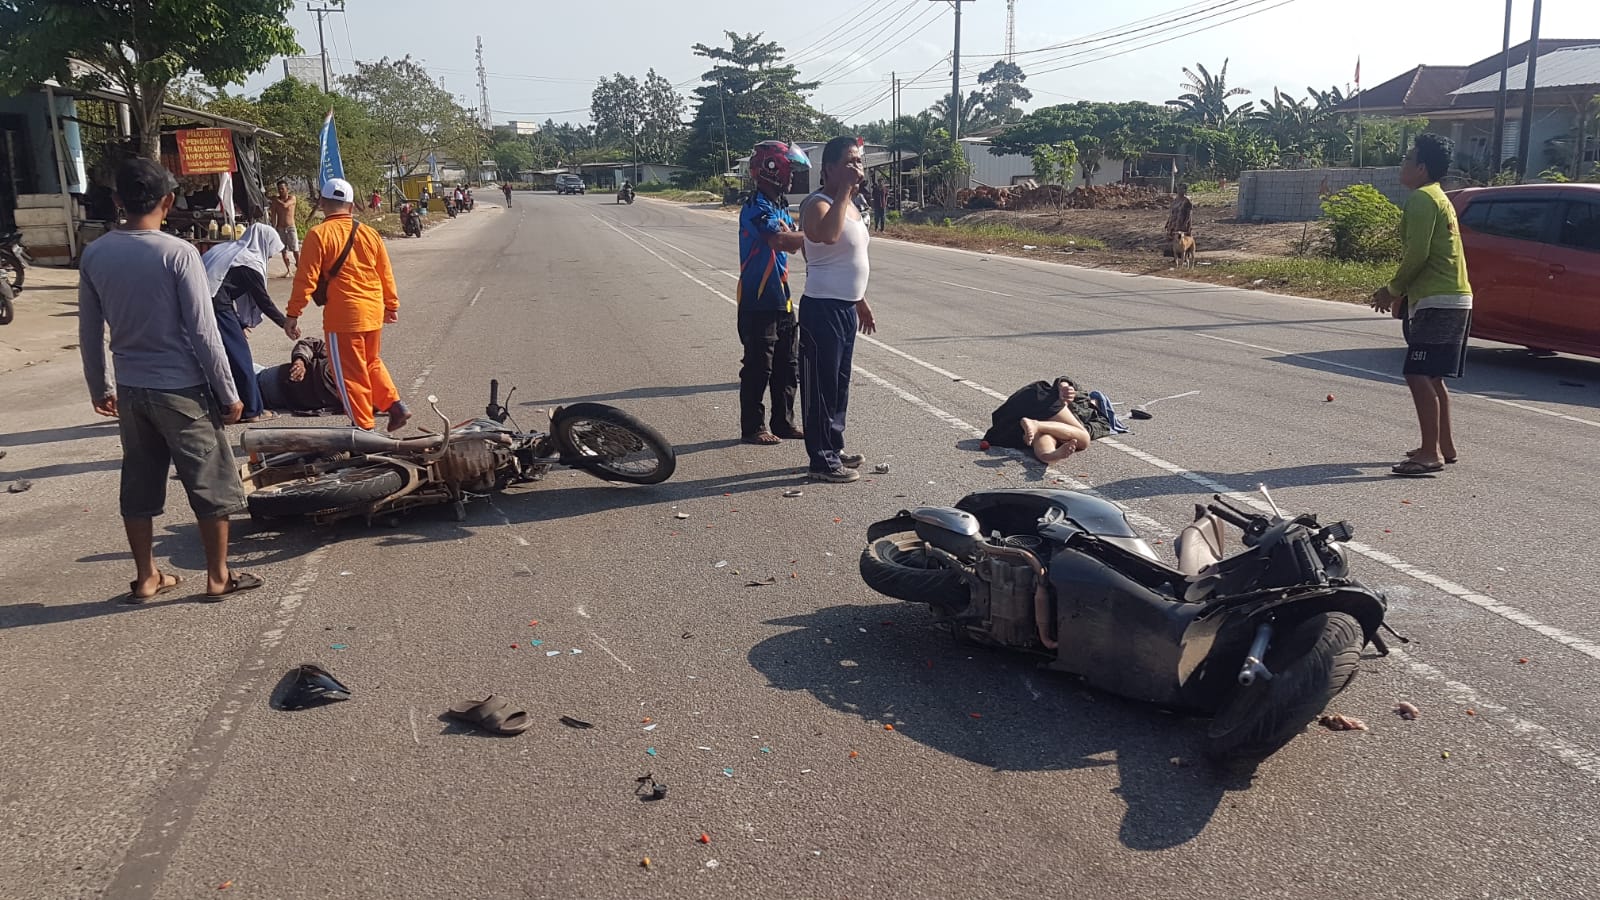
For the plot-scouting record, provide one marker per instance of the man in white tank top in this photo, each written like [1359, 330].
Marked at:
[833, 308]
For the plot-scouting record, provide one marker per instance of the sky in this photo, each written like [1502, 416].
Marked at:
[544, 65]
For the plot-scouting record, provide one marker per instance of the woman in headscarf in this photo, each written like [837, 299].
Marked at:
[237, 273]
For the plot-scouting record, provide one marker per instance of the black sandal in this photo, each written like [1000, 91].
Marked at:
[162, 587]
[238, 581]
[1413, 469]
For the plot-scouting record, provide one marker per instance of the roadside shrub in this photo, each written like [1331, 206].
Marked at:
[1363, 226]
[1205, 187]
[894, 215]
[1555, 175]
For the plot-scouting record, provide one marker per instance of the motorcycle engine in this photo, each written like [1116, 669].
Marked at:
[469, 464]
[1012, 583]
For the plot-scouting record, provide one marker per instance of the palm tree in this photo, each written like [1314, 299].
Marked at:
[1205, 97]
[1288, 121]
[920, 134]
[973, 115]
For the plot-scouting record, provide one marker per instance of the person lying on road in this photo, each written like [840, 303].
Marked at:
[1051, 418]
[304, 385]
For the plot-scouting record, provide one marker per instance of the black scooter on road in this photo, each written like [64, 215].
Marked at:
[1260, 641]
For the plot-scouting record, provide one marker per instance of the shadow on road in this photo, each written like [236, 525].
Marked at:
[1026, 720]
[107, 428]
[1501, 372]
[640, 393]
[1316, 474]
[1135, 329]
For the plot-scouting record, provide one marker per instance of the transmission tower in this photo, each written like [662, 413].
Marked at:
[1011, 31]
[485, 115]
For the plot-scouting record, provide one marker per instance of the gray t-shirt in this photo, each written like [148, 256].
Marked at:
[151, 288]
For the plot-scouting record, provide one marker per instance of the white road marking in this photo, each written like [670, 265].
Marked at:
[474, 301]
[1390, 376]
[968, 287]
[1484, 601]
[1535, 734]
[412, 714]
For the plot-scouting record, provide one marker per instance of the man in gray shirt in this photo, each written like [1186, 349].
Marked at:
[173, 392]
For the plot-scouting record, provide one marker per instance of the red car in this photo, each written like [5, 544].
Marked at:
[1533, 256]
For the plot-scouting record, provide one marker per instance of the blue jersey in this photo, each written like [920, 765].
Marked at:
[763, 271]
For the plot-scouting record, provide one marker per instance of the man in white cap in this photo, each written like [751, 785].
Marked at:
[344, 268]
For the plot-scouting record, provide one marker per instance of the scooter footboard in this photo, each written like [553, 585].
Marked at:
[1116, 632]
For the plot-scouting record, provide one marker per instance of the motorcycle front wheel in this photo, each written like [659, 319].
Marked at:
[12, 270]
[611, 444]
[7, 311]
[326, 492]
[1310, 664]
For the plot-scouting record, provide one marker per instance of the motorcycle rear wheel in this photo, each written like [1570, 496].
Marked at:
[326, 492]
[611, 444]
[1311, 664]
[7, 311]
[900, 567]
[11, 268]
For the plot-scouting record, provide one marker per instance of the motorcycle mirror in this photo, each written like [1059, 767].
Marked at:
[1270, 502]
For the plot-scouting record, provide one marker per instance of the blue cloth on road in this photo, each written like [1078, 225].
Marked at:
[827, 349]
[1103, 403]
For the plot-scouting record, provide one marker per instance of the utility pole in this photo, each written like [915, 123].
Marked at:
[1497, 152]
[955, 73]
[322, 45]
[727, 160]
[1525, 130]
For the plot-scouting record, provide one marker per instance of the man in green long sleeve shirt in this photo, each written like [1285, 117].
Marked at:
[1437, 310]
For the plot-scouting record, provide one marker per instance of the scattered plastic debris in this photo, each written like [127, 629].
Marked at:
[681, 515]
[854, 754]
[727, 771]
[345, 574]
[1444, 754]
[513, 646]
[712, 864]
[1471, 711]
[721, 564]
[880, 469]
[1342, 723]
[552, 653]
[533, 623]
[535, 643]
[645, 863]
[805, 771]
[650, 727]
[1407, 711]
[976, 715]
[576, 651]
[650, 751]
[658, 791]
[1178, 762]
[570, 722]
[794, 492]
[1029, 247]
[703, 748]
[888, 726]
[766, 749]
[225, 885]
[338, 646]
[983, 445]
[1330, 399]
[313, 686]
[704, 838]
[17, 487]
[761, 582]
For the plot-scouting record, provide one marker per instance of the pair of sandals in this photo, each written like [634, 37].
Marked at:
[768, 438]
[1411, 468]
[167, 582]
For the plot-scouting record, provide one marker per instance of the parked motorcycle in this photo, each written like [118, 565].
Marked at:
[625, 195]
[1260, 641]
[450, 207]
[7, 309]
[410, 220]
[330, 473]
[14, 260]
[467, 202]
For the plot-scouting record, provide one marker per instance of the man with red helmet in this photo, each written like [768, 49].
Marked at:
[767, 325]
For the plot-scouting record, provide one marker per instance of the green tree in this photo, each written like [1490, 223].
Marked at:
[1205, 97]
[512, 155]
[661, 130]
[617, 108]
[1099, 131]
[411, 115]
[1231, 149]
[296, 109]
[141, 47]
[749, 95]
[1003, 93]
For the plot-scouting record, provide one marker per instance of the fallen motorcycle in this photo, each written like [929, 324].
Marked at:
[7, 310]
[1260, 641]
[14, 260]
[331, 473]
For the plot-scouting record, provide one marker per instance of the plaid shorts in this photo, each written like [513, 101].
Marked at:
[163, 429]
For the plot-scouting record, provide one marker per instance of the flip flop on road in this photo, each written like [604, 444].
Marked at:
[1413, 469]
[238, 581]
[164, 583]
[491, 714]
[1412, 454]
[763, 437]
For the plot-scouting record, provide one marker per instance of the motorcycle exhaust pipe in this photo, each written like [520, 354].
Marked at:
[1041, 596]
[271, 441]
[1253, 667]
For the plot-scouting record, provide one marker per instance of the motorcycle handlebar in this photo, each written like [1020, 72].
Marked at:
[1228, 515]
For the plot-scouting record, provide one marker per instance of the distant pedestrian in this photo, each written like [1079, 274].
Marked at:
[880, 204]
[1180, 215]
[1435, 301]
[236, 276]
[505, 186]
[422, 201]
[173, 392]
[281, 215]
[348, 265]
[766, 320]
[375, 202]
[833, 308]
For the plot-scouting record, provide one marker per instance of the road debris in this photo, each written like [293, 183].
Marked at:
[1523, 661]
[707, 749]
[854, 754]
[681, 515]
[650, 751]
[18, 487]
[712, 864]
[657, 790]
[1330, 399]
[983, 445]
[794, 492]
[1336, 722]
[721, 564]
[338, 646]
[552, 653]
[225, 885]
[761, 582]
[880, 469]
[1444, 754]
[651, 727]
[313, 686]
[1471, 711]
[570, 722]
[576, 651]
[888, 726]
[645, 863]
[1178, 762]
[727, 771]
[535, 643]
[704, 838]
[1407, 710]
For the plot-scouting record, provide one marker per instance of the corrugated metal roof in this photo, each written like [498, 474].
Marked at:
[1566, 68]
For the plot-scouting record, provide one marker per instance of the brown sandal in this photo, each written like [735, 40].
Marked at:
[764, 438]
[492, 715]
[162, 586]
[237, 581]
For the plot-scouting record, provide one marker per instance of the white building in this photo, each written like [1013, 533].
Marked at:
[522, 128]
[1008, 169]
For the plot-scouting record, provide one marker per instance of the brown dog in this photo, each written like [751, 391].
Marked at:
[1182, 250]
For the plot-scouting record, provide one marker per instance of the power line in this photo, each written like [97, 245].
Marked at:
[1161, 19]
[885, 94]
[882, 12]
[1243, 15]
[894, 40]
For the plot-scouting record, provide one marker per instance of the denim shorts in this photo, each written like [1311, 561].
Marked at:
[182, 429]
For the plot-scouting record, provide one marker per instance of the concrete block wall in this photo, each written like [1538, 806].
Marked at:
[1295, 195]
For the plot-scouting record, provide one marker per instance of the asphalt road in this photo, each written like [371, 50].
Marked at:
[142, 760]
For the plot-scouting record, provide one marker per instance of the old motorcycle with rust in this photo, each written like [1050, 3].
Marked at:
[331, 473]
[1258, 641]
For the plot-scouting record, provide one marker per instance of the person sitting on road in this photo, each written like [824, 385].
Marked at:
[305, 385]
[1048, 417]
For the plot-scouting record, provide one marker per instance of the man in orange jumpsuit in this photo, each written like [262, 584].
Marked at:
[361, 299]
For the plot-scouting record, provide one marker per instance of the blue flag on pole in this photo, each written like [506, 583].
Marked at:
[332, 164]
